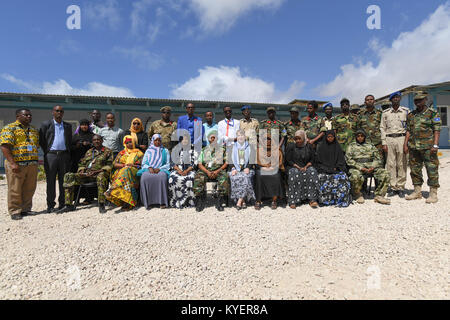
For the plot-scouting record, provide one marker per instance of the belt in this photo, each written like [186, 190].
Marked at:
[57, 152]
[396, 135]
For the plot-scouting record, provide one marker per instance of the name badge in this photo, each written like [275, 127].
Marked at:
[29, 148]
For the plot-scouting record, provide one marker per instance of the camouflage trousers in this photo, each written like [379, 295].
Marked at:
[201, 179]
[381, 176]
[74, 179]
[419, 158]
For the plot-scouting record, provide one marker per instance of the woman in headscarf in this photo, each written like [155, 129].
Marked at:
[303, 182]
[181, 179]
[81, 142]
[241, 174]
[268, 182]
[334, 185]
[138, 134]
[124, 182]
[154, 173]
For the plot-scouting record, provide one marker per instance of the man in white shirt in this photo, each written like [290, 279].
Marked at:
[228, 127]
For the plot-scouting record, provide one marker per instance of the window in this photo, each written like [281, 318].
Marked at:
[444, 115]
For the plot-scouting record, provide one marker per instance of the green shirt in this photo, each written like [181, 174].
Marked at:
[421, 127]
[345, 127]
[95, 160]
[370, 122]
[313, 126]
[364, 155]
[291, 129]
[210, 160]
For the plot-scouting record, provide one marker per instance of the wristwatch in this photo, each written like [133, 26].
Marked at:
[435, 146]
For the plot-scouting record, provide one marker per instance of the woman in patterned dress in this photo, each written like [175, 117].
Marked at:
[241, 174]
[334, 184]
[124, 182]
[181, 179]
[303, 182]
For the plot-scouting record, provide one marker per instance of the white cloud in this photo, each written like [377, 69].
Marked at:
[416, 57]
[219, 16]
[103, 13]
[64, 88]
[228, 84]
[143, 58]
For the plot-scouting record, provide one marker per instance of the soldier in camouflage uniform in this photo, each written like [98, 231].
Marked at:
[212, 166]
[273, 124]
[364, 159]
[165, 127]
[344, 125]
[292, 126]
[422, 137]
[95, 166]
[313, 124]
[355, 109]
[369, 120]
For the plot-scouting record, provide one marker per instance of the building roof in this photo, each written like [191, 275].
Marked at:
[441, 87]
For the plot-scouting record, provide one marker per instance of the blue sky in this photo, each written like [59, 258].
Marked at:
[248, 50]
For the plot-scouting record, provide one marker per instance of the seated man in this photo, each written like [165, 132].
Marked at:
[211, 167]
[363, 159]
[96, 165]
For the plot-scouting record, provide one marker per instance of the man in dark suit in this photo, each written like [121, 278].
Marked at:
[55, 139]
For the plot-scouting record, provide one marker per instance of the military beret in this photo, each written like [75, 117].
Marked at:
[398, 93]
[344, 100]
[270, 109]
[355, 107]
[166, 108]
[246, 107]
[294, 109]
[420, 96]
[326, 105]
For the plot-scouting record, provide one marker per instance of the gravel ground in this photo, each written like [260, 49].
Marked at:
[365, 251]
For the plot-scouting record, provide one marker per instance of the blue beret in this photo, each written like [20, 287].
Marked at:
[245, 107]
[398, 93]
[329, 104]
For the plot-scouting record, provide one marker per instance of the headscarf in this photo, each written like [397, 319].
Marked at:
[363, 133]
[301, 134]
[133, 132]
[130, 152]
[213, 132]
[239, 147]
[330, 155]
[155, 152]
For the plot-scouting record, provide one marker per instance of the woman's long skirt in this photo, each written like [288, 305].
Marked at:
[122, 191]
[181, 190]
[242, 186]
[302, 185]
[154, 189]
[334, 189]
[268, 186]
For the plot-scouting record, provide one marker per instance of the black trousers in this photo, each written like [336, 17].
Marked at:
[56, 165]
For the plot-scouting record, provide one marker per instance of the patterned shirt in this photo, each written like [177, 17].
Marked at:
[24, 142]
[291, 129]
[370, 122]
[165, 129]
[251, 128]
[273, 125]
[421, 127]
[313, 126]
[209, 159]
[95, 160]
[345, 127]
[364, 155]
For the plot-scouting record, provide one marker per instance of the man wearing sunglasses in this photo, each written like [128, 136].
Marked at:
[55, 139]
[165, 127]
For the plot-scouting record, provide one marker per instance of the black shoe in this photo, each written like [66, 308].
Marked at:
[16, 216]
[26, 213]
[61, 206]
[401, 193]
[50, 209]
[199, 203]
[66, 209]
[101, 208]
[220, 203]
[392, 193]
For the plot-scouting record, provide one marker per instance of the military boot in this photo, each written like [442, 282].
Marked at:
[359, 198]
[220, 203]
[417, 194]
[200, 203]
[382, 200]
[433, 196]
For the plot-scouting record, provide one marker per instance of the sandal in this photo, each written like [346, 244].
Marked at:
[293, 206]
[162, 207]
[274, 205]
[314, 204]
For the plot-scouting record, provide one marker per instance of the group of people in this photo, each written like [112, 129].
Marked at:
[314, 160]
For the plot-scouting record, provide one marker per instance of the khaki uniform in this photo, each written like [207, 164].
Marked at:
[250, 128]
[328, 123]
[393, 131]
[165, 130]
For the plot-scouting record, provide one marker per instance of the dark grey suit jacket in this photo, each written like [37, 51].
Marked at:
[47, 135]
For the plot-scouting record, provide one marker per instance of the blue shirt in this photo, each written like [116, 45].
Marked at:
[194, 126]
[59, 143]
[207, 128]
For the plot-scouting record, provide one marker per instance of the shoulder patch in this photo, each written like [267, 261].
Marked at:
[437, 119]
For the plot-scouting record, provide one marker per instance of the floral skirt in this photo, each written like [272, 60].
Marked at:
[302, 185]
[122, 191]
[334, 189]
[242, 186]
[181, 192]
